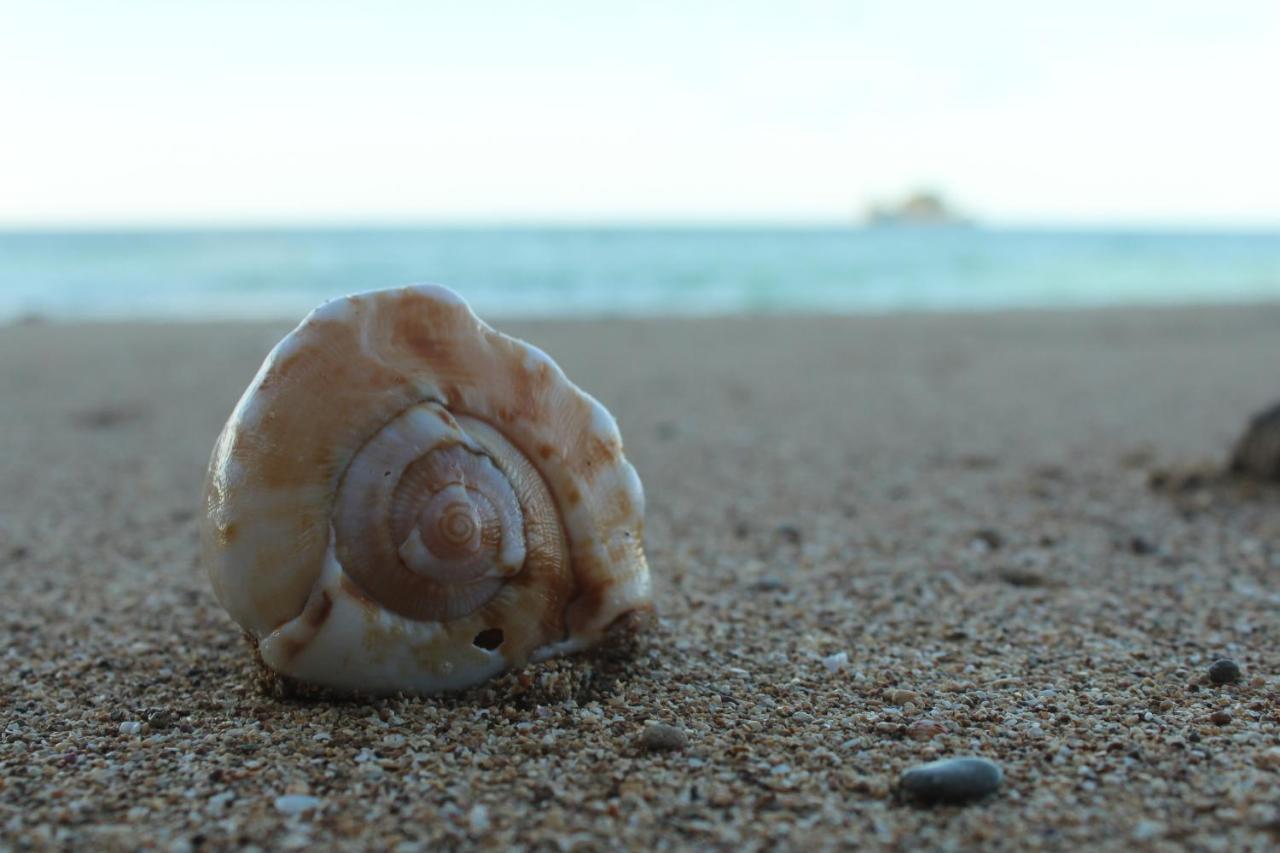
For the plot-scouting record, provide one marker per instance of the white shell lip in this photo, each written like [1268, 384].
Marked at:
[342, 652]
[333, 634]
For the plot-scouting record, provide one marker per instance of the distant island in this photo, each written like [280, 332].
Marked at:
[919, 208]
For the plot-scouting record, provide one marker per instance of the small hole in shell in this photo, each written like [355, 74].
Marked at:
[489, 638]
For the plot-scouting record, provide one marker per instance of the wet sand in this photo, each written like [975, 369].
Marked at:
[875, 542]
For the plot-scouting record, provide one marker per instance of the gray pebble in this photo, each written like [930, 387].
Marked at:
[661, 737]
[769, 584]
[1224, 672]
[951, 780]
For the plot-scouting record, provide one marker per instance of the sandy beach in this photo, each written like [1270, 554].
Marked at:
[875, 542]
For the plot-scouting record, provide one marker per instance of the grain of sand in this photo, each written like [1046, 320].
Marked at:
[875, 541]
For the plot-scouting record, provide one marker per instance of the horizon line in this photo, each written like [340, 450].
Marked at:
[626, 223]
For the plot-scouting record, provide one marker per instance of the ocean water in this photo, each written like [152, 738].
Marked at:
[539, 272]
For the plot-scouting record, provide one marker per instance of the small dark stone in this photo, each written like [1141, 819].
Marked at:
[988, 537]
[769, 585]
[660, 737]
[741, 530]
[1018, 576]
[951, 780]
[1257, 453]
[789, 533]
[1141, 545]
[1224, 671]
[1220, 718]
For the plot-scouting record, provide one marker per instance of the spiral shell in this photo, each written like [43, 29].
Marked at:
[406, 500]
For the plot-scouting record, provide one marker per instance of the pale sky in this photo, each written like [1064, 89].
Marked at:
[278, 111]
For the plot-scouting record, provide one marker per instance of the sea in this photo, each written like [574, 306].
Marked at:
[627, 271]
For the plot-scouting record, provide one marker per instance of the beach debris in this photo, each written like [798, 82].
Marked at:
[986, 539]
[1224, 671]
[1142, 546]
[453, 506]
[159, 719]
[292, 805]
[661, 737]
[769, 584]
[925, 729]
[951, 780]
[1257, 452]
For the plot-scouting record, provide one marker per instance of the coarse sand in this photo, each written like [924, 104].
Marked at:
[875, 541]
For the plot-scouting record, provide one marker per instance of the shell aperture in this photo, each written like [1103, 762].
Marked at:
[406, 500]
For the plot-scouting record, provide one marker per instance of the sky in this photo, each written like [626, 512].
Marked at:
[141, 112]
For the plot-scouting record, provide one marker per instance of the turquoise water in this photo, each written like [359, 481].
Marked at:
[627, 271]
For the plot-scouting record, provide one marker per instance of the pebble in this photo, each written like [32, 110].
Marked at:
[952, 780]
[1221, 717]
[925, 729]
[1142, 546]
[296, 804]
[769, 584]
[130, 727]
[1269, 759]
[986, 539]
[835, 663]
[1224, 671]
[662, 737]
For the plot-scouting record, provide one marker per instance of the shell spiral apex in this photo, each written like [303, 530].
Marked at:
[406, 500]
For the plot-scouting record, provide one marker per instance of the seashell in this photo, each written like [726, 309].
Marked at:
[406, 500]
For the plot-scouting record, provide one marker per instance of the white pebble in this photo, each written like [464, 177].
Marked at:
[836, 662]
[130, 727]
[296, 804]
[478, 819]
